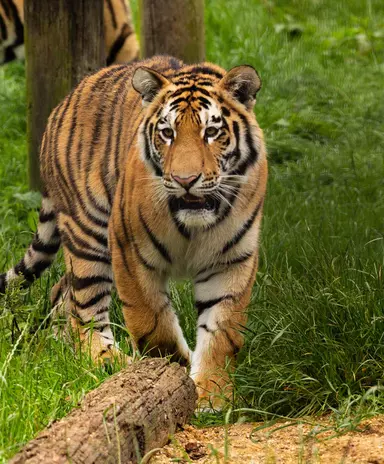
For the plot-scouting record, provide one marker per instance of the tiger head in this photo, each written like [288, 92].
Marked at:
[199, 137]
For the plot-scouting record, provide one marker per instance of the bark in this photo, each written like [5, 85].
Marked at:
[173, 28]
[128, 415]
[64, 41]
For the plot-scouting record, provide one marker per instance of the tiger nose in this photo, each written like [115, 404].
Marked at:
[186, 182]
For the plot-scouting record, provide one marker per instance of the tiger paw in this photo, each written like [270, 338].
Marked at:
[110, 355]
[214, 393]
[173, 351]
[101, 350]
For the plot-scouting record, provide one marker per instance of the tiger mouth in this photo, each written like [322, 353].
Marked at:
[189, 201]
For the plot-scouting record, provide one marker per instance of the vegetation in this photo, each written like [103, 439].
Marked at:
[314, 342]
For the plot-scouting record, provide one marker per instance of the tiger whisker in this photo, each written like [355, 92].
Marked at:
[152, 178]
[236, 187]
[233, 175]
[219, 196]
[242, 200]
[238, 178]
[161, 195]
[228, 187]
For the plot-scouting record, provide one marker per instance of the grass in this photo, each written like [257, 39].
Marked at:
[314, 342]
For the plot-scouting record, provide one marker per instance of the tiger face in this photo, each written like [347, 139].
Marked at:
[199, 137]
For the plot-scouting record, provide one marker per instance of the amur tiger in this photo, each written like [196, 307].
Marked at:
[152, 171]
[121, 45]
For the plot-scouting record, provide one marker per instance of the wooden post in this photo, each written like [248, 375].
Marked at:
[64, 41]
[173, 27]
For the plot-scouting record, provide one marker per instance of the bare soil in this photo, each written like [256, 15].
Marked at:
[293, 444]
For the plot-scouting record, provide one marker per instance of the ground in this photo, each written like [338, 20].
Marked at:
[284, 443]
[314, 339]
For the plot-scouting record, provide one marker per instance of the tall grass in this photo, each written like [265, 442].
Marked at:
[314, 341]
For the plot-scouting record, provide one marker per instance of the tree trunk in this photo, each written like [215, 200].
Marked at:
[64, 41]
[174, 28]
[128, 415]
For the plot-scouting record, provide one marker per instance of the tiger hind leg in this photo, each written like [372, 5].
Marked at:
[87, 298]
[59, 311]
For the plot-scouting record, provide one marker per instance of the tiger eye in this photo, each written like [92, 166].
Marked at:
[167, 132]
[211, 131]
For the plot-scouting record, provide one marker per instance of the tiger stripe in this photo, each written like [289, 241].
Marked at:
[3, 30]
[156, 243]
[81, 283]
[244, 229]
[112, 13]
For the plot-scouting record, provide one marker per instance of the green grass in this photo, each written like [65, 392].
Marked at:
[314, 341]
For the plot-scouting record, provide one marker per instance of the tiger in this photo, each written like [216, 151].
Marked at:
[121, 45]
[154, 171]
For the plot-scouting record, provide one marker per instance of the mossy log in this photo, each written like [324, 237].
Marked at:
[174, 28]
[128, 415]
[64, 41]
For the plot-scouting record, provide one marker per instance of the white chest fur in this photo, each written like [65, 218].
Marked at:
[204, 250]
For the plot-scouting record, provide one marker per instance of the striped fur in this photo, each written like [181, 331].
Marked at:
[153, 171]
[121, 44]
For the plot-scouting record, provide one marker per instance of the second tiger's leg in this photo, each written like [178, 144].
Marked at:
[150, 319]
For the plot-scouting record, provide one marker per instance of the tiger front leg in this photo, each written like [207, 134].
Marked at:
[154, 327]
[221, 301]
[150, 319]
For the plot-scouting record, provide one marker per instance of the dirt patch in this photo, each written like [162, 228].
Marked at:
[291, 445]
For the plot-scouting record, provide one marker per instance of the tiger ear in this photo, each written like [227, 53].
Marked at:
[148, 83]
[243, 83]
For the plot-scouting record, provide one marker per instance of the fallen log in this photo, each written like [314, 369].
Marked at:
[129, 414]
